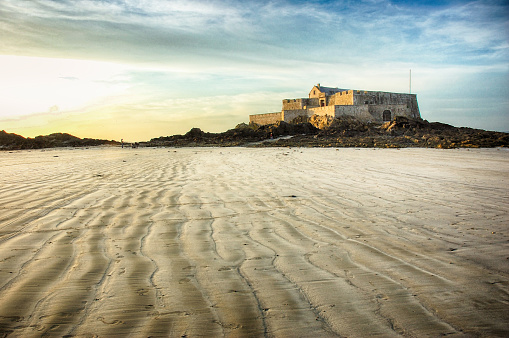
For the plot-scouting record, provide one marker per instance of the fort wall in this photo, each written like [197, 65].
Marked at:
[293, 104]
[322, 111]
[312, 102]
[377, 111]
[342, 98]
[359, 112]
[370, 97]
[384, 98]
[289, 115]
[262, 119]
[365, 112]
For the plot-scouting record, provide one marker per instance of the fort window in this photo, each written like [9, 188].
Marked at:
[386, 116]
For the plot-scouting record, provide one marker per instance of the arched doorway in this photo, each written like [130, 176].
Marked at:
[387, 116]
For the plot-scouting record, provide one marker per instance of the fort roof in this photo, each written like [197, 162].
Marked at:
[330, 90]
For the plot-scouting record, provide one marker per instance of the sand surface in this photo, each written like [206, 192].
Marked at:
[254, 242]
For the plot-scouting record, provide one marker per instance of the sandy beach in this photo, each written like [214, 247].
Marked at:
[237, 242]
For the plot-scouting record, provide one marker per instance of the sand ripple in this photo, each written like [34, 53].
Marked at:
[254, 242]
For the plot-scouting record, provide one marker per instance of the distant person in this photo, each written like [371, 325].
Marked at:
[122, 141]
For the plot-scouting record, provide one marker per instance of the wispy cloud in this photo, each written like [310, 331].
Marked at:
[164, 32]
[222, 32]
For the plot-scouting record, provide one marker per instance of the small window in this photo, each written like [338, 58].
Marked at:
[366, 102]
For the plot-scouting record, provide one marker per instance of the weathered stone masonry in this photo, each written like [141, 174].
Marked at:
[368, 106]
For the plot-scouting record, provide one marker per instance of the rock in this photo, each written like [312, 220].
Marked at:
[14, 141]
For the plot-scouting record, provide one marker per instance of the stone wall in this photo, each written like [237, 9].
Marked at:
[263, 119]
[359, 112]
[342, 98]
[322, 111]
[383, 99]
[294, 104]
[376, 111]
[312, 102]
[414, 107]
[289, 115]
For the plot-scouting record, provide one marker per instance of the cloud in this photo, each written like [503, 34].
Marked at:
[154, 58]
[69, 78]
[472, 30]
[209, 34]
[176, 32]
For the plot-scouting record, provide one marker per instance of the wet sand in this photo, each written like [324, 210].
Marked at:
[254, 242]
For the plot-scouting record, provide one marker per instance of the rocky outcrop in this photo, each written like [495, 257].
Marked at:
[346, 131]
[9, 141]
[242, 134]
[401, 132]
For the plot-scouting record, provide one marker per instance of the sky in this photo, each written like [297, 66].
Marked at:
[140, 69]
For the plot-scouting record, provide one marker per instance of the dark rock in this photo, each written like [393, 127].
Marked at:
[16, 142]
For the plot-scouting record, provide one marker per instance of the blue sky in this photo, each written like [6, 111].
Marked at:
[142, 69]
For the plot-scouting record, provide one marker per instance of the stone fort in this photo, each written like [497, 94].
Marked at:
[367, 106]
